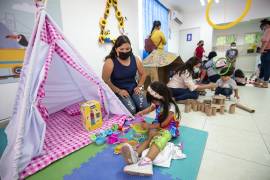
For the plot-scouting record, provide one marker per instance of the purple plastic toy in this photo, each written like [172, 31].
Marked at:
[112, 139]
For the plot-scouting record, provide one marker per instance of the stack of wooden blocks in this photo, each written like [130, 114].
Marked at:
[209, 107]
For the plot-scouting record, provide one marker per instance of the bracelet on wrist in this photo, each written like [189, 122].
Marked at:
[118, 91]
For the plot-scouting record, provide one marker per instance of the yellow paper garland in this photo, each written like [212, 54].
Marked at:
[105, 34]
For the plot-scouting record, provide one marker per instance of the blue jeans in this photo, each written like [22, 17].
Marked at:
[265, 66]
[224, 91]
[134, 102]
[183, 94]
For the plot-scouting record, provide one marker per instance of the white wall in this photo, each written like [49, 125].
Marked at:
[226, 11]
[81, 26]
[173, 41]
[187, 47]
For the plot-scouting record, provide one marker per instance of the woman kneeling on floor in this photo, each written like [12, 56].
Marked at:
[119, 72]
[182, 85]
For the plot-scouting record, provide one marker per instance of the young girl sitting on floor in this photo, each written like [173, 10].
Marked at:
[162, 130]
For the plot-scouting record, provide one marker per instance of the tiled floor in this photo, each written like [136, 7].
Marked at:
[238, 145]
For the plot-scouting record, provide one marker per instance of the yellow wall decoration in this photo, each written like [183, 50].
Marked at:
[229, 25]
[104, 36]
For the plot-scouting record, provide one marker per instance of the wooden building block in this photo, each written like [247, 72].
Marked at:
[222, 109]
[202, 107]
[208, 110]
[207, 101]
[214, 111]
[232, 108]
[195, 106]
[219, 100]
[187, 108]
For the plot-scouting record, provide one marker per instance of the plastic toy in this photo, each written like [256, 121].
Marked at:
[120, 128]
[91, 115]
[93, 137]
[109, 132]
[137, 119]
[123, 140]
[102, 133]
[100, 140]
[112, 139]
[114, 127]
[139, 137]
[138, 129]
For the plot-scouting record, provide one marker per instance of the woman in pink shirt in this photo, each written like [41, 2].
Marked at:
[265, 55]
[182, 85]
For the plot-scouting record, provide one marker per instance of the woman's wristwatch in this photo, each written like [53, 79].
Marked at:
[141, 87]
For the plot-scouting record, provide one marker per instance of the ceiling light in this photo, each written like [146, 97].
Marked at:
[203, 2]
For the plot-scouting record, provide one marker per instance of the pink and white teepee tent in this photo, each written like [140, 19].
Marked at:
[54, 76]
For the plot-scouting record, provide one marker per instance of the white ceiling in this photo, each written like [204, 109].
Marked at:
[195, 5]
[191, 5]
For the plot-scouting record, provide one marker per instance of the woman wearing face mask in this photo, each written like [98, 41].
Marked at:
[119, 72]
[199, 51]
[182, 85]
[265, 55]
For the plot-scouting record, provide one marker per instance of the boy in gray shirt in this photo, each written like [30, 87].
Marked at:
[232, 54]
[226, 85]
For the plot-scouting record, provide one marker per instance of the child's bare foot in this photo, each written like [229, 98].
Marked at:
[129, 154]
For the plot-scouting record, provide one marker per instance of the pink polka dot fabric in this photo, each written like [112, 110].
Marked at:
[49, 34]
[73, 110]
[64, 135]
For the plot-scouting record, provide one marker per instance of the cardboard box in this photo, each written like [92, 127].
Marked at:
[91, 115]
[159, 66]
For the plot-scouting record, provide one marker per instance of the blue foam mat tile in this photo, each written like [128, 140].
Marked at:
[194, 142]
[106, 166]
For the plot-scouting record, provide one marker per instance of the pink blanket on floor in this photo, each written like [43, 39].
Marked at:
[64, 135]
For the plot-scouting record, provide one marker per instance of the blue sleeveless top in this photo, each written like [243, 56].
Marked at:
[124, 76]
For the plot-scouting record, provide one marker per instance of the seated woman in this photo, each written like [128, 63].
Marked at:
[119, 72]
[182, 85]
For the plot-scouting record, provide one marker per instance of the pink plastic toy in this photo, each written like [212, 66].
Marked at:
[112, 139]
[123, 140]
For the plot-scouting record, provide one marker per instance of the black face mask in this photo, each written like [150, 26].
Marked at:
[124, 55]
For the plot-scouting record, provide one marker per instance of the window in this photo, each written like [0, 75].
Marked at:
[221, 40]
[225, 40]
[154, 10]
[252, 38]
